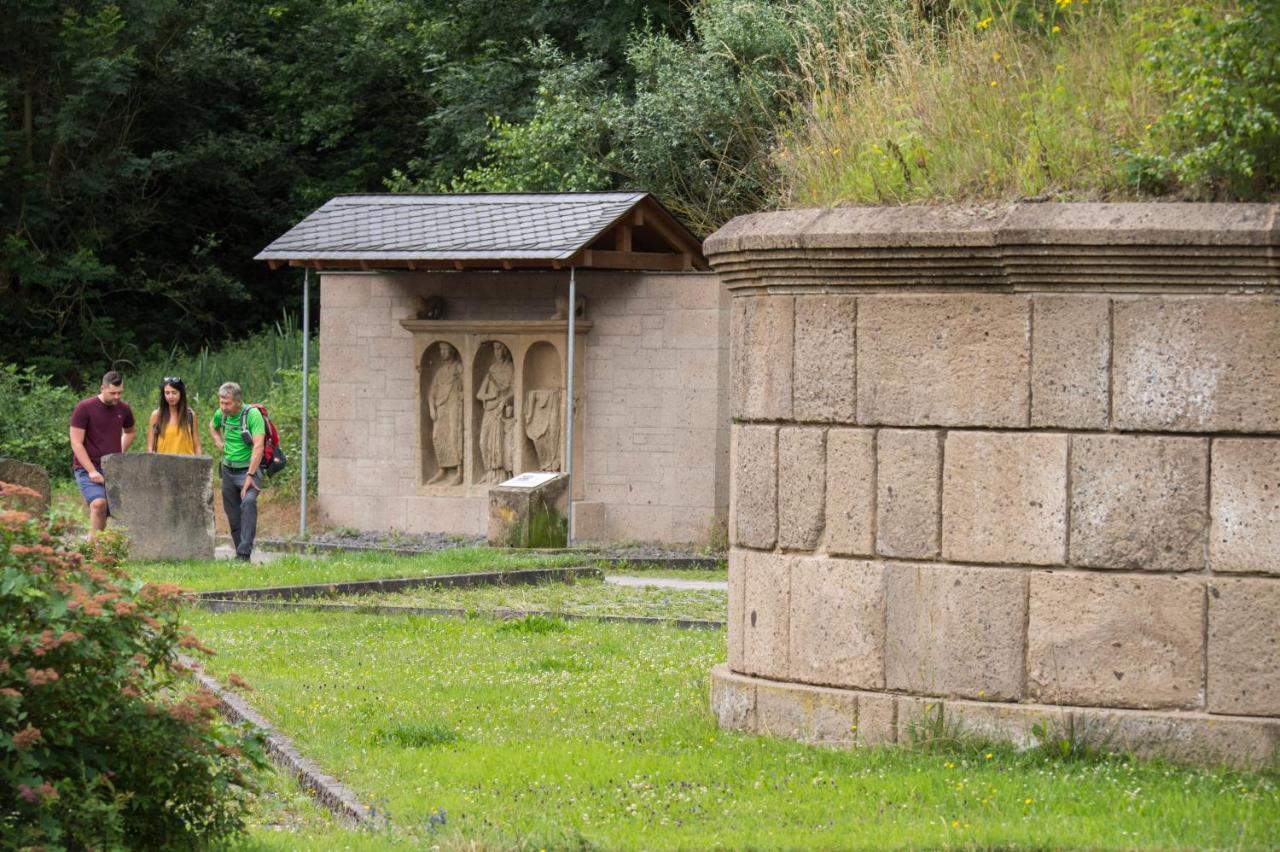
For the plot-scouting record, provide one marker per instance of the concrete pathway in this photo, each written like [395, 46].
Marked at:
[667, 582]
[259, 557]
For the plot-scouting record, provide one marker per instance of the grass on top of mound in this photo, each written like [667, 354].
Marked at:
[478, 734]
[296, 570]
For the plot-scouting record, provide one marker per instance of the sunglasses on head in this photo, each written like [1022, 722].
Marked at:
[171, 380]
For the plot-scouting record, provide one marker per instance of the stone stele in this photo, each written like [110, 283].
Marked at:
[512, 507]
[164, 502]
[31, 476]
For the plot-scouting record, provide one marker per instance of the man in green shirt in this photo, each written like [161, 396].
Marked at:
[240, 433]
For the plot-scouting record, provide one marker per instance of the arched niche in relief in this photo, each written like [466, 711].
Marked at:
[493, 412]
[443, 410]
[541, 430]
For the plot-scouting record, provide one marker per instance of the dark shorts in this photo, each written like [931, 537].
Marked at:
[89, 489]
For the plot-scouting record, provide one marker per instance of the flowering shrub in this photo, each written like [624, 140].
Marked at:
[103, 741]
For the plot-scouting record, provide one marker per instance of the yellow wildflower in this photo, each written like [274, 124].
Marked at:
[985, 22]
[1056, 29]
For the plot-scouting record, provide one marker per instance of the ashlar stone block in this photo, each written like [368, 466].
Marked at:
[164, 501]
[1070, 361]
[837, 623]
[763, 335]
[1197, 364]
[1139, 502]
[825, 359]
[801, 487]
[1244, 647]
[851, 491]
[1103, 640]
[958, 360]
[766, 615]
[1244, 533]
[1004, 498]
[755, 486]
[954, 630]
[908, 492]
[737, 602]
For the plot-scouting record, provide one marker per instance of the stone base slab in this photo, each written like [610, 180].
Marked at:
[846, 718]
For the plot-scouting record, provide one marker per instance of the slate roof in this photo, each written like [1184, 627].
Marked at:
[506, 227]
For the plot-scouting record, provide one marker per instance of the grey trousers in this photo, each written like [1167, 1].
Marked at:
[242, 515]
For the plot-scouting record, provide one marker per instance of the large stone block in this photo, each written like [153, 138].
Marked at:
[532, 515]
[1244, 647]
[1004, 498]
[27, 475]
[837, 623]
[908, 492]
[766, 615]
[763, 331]
[737, 594]
[1070, 360]
[165, 502]
[955, 630]
[944, 360]
[755, 486]
[733, 700]
[801, 487]
[1139, 502]
[851, 491]
[920, 719]
[1197, 364]
[1116, 641]
[823, 385]
[1244, 532]
[1195, 738]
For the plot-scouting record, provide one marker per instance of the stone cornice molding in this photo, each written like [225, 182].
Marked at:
[1108, 246]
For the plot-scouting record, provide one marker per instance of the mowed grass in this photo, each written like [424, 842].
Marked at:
[598, 735]
[295, 570]
[581, 597]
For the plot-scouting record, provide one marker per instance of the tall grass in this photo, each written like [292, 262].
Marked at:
[1020, 101]
[258, 364]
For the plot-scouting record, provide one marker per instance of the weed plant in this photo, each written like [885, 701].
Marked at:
[599, 736]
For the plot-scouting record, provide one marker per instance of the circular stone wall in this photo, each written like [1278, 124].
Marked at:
[1020, 469]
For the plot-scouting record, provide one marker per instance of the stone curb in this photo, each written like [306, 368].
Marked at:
[339, 799]
[279, 545]
[231, 605]
[481, 578]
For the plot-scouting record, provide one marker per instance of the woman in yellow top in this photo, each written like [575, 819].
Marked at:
[173, 422]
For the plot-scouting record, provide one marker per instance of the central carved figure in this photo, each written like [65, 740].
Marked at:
[444, 405]
[496, 426]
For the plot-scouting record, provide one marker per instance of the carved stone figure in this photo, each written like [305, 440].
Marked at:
[562, 307]
[542, 425]
[496, 424]
[445, 407]
[429, 307]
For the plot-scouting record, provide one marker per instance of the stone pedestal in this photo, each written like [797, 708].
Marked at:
[165, 503]
[1012, 466]
[31, 476]
[529, 515]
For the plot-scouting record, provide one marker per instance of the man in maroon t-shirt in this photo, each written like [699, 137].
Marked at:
[100, 425]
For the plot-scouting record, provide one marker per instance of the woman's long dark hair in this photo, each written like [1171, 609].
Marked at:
[186, 417]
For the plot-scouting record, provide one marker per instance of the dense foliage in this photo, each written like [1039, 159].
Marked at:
[103, 743]
[35, 415]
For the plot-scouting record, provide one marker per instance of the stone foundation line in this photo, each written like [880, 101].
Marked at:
[303, 547]
[331, 793]
[228, 605]
[525, 577]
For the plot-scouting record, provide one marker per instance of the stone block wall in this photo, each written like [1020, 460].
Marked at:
[654, 431]
[1024, 464]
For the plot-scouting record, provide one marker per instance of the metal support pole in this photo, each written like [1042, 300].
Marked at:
[568, 450]
[306, 393]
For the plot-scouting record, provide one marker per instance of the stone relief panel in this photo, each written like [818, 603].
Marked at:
[542, 435]
[443, 407]
[495, 412]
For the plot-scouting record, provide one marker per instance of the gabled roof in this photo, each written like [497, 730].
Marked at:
[616, 230]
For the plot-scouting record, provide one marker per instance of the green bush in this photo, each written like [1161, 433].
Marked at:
[1219, 138]
[103, 742]
[35, 415]
[284, 403]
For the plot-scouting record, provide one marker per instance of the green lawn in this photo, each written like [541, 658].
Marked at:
[334, 568]
[598, 735]
[582, 597]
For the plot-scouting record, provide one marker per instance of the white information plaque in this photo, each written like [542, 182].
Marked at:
[529, 480]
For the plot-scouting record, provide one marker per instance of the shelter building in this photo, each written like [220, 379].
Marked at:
[444, 352]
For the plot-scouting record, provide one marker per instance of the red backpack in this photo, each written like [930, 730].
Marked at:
[273, 458]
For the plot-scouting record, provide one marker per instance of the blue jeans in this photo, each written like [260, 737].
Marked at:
[242, 514]
[89, 489]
